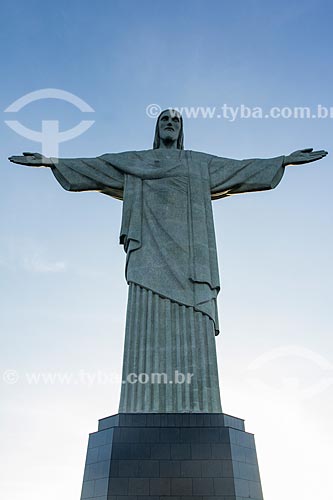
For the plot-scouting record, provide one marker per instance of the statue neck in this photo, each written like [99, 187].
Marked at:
[167, 144]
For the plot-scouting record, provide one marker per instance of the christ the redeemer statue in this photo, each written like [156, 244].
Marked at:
[171, 267]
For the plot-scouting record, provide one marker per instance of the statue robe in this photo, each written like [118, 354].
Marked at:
[168, 234]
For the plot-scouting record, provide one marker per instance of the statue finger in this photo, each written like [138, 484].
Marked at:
[318, 154]
[16, 159]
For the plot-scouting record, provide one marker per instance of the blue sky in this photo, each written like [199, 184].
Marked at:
[63, 292]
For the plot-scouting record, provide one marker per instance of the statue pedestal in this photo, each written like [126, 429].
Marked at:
[180, 456]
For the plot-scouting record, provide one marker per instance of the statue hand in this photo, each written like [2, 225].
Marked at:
[32, 160]
[304, 156]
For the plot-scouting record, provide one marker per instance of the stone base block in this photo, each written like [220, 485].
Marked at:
[171, 456]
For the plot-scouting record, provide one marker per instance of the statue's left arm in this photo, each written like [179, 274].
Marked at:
[228, 176]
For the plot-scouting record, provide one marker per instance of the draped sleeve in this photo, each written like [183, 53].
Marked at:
[228, 176]
[89, 174]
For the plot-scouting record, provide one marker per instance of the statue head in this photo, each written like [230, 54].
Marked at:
[169, 127]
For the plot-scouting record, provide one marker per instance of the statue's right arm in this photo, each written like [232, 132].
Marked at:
[32, 160]
[78, 174]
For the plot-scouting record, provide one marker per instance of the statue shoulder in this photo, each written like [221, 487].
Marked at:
[200, 156]
[126, 155]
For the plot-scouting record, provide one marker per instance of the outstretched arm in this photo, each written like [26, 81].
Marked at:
[304, 156]
[228, 176]
[79, 174]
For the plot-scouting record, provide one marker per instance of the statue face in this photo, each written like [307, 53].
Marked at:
[169, 126]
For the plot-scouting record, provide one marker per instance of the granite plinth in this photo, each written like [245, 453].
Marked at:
[175, 456]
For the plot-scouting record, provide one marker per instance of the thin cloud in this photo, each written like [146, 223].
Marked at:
[30, 256]
[36, 264]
